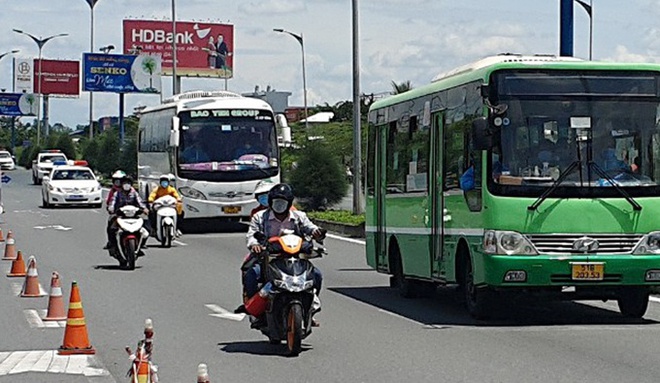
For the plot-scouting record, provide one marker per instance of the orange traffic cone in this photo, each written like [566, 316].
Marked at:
[18, 266]
[2, 237]
[10, 248]
[31, 287]
[55, 301]
[143, 373]
[75, 333]
[203, 374]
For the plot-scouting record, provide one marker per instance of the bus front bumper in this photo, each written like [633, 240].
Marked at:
[504, 271]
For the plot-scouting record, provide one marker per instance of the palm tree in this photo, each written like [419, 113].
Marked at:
[149, 65]
[402, 87]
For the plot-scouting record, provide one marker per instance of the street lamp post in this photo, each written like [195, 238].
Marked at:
[91, 3]
[302, 47]
[40, 44]
[176, 82]
[589, 8]
[13, 129]
[9, 53]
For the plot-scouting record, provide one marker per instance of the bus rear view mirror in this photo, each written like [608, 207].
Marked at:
[280, 121]
[481, 134]
[174, 133]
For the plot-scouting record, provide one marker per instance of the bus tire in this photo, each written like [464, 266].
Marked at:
[405, 286]
[478, 301]
[633, 302]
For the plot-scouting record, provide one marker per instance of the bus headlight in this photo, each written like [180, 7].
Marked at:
[191, 193]
[507, 242]
[649, 244]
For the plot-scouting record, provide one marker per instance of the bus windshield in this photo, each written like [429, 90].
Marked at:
[600, 130]
[227, 148]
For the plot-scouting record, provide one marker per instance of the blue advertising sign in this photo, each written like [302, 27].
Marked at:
[121, 73]
[18, 104]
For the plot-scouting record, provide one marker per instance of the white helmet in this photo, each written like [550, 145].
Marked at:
[263, 187]
[118, 175]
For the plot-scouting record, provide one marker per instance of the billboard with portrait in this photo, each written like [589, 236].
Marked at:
[121, 73]
[203, 49]
[58, 77]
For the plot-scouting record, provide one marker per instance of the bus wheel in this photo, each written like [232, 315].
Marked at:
[633, 302]
[405, 286]
[478, 301]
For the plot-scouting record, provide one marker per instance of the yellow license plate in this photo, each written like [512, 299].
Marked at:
[231, 209]
[588, 271]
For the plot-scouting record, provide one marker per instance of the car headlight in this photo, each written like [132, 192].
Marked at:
[507, 242]
[191, 193]
[649, 244]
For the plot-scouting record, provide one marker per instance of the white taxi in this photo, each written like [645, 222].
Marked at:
[71, 183]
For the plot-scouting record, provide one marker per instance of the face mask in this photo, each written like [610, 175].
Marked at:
[126, 187]
[280, 205]
[164, 184]
[263, 200]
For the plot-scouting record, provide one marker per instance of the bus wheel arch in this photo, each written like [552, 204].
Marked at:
[398, 280]
[478, 301]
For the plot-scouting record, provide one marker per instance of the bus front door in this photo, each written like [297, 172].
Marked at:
[436, 205]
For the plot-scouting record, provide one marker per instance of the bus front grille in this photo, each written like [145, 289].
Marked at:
[571, 243]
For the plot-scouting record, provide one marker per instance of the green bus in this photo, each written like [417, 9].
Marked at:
[532, 175]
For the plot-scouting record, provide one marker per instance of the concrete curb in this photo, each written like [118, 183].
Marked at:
[352, 231]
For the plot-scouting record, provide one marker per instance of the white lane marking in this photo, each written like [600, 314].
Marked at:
[12, 360]
[27, 362]
[401, 317]
[50, 362]
[219, 312]
[16, 288]
[654, 299]
[180, 243]
[56, 227]
[36, 321]
[345, 239]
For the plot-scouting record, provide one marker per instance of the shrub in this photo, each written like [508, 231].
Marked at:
[90, 153]
[319, 179]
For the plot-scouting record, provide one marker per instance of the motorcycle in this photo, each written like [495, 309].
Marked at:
[165, 208]
[130, 236]
[288, 296]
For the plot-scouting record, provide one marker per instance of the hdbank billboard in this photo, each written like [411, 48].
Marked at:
[18, 104]
[121, 73]
[202, 49]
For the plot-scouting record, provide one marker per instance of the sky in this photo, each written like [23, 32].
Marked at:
[399, 40]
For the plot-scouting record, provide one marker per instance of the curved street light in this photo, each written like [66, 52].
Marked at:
[40, 43]
[302, 47]
[91, 3]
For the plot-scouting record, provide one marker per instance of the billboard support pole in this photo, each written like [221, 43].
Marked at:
[46, 123]
[176, 85]
[121, 119]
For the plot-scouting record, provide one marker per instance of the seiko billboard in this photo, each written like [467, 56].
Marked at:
[203, 49]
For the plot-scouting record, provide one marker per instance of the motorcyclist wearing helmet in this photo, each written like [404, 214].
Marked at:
[166, 187]
[127, 195]
[261, 195]
[116, 186]
[272, 221]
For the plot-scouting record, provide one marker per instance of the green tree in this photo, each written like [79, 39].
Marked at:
[90, 153]
[401, 87]
[128, 159]
[108, 156]
[319, 179]
[66, 145]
